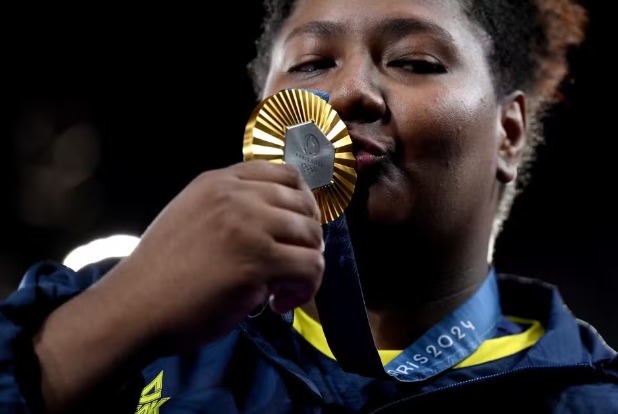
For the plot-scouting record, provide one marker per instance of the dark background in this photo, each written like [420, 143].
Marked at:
[108, 113]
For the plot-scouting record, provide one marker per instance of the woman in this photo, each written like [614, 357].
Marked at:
[441, 101]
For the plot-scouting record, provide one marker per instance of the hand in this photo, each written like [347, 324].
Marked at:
[232, 239]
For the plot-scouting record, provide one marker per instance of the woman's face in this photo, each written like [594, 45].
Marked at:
[410, 79]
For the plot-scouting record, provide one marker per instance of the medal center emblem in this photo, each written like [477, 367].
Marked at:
[312, 145]
[311, 152]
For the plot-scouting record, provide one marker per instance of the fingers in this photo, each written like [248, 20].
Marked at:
[285, 198]
[280, 185]
[297, 245]
[280, 212]
[288, 227]
[296, 278]
[260, 170]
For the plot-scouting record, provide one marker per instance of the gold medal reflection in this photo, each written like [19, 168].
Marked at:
[265, 136]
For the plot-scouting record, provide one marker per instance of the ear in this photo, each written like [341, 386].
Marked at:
[513, 136]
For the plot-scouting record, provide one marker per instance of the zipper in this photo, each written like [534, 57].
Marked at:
[309, 386]
[385, 408]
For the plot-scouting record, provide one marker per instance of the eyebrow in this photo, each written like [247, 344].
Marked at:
[403, 27]
[396, 27]
[317, 29]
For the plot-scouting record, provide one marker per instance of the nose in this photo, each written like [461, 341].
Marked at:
[356, 92]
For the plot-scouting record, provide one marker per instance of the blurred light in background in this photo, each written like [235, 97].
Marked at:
[56, 150]
[118, 245]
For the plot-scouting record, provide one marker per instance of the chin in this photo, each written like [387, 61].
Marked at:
[375, 213]
[386, 204]
[380, 197]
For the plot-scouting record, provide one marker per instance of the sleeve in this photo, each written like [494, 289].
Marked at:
[44, 287]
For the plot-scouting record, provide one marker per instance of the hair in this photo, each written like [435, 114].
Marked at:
[530, 49]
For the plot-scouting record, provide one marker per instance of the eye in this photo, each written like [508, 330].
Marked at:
[420, 66]
[313, 65]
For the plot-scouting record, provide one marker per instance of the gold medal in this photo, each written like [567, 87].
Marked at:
[298, 127]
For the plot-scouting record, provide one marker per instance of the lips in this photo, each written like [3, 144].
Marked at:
[365, 159]
[367, 151]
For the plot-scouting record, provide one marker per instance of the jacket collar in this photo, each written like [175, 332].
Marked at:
[567, 340]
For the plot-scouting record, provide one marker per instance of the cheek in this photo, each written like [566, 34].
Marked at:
[450, 133]
[449, 153]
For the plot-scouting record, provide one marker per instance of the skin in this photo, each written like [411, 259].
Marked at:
[435, 146]
[441, 144]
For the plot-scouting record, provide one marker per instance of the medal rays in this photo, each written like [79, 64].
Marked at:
[265, 135]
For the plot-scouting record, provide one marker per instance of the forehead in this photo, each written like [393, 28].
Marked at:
[362, 19]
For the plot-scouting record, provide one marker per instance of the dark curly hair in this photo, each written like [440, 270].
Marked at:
[530, 50]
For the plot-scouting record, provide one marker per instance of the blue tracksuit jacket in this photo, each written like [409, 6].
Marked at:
[265, 366]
